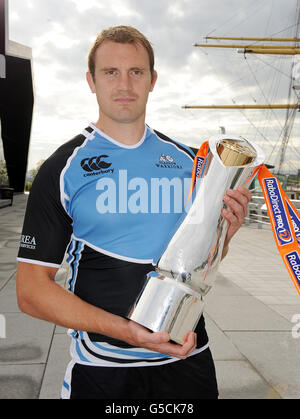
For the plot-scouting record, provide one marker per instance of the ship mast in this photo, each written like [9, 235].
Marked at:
[234, 38]
[255, 48]
[276, 106]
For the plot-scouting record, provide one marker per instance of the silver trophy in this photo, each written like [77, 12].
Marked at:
[172, 299]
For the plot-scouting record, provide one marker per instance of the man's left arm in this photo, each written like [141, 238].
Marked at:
[236, 202]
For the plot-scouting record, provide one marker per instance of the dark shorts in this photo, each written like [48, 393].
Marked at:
[192, 378]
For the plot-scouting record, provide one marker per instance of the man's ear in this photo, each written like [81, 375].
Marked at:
[91, 83]
[153, 81]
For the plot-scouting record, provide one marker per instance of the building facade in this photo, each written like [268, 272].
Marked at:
[16, 103]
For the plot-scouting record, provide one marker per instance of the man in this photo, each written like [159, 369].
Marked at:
[82, 201]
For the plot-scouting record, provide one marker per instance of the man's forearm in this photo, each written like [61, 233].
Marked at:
[39, 296]
[44, 299]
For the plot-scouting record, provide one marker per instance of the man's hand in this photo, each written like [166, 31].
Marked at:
[160, 341]
[237, 203]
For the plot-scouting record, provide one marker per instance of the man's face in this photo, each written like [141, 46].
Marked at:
[122, 81]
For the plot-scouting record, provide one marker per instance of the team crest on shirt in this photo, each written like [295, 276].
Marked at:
[167, 161]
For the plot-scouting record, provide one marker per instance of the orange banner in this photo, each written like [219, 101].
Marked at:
[199, 165]
[284, 218]
[285, 222]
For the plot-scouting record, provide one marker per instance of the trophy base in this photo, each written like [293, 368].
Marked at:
[166, 305]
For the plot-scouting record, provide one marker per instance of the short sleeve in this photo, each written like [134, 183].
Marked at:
[47, 227]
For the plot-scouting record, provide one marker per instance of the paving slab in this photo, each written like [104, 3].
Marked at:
[276, 355]
[221, 347]
[20, 381]
[243, 313]
[27, 340]
[59, 358]
[8, 300]
[224, 286]
[239, 380]
[291, 312]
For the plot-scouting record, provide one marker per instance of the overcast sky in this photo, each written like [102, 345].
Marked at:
[60, 33]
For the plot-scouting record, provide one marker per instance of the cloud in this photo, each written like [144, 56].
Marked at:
[61, 33]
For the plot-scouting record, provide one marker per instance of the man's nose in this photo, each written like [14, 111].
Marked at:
[124, 81]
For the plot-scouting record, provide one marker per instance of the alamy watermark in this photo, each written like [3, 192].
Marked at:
[296, 328]
[2, 327]
[2, 67]
[139, 195]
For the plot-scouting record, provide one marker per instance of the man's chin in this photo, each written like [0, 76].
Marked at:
[128, 118]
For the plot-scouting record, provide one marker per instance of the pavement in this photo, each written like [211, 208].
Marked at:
[252, 316]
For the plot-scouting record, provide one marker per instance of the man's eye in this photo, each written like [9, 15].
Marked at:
[137, 72]
[110, 72]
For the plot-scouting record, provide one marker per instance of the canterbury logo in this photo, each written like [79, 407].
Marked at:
[94, 163]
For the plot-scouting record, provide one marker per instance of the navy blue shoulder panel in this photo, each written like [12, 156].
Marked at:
[188, 150]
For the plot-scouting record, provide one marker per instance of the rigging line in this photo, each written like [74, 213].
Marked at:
[269, 19]
[272, 98]
[290, 163]
[212, 66]
[244, 77]
[197, 119]
[228, 20]
[274, 68]
[279, 138]
[274, 87]
[276, 33]
[287, 133]
[286, 128]
[224, 86]
[282, 30]
[290, 115]
[259, 132]
[294, 147]
[298, 19]
[276, 145]
[256, 129]
[266, 99]
[297, 95]
[255, 12]
[260, 59]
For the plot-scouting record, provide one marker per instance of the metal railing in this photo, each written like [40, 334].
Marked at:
[257, 212]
